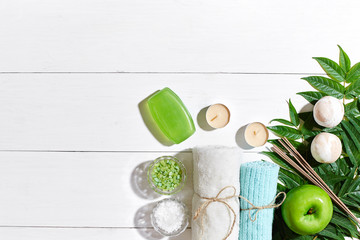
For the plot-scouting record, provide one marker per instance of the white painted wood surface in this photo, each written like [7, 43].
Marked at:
[16, 233]
[77, 189]
[173, 35]
[73, 144]
[90, 112]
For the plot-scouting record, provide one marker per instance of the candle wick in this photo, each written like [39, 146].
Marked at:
[255, 132]
[214, 118]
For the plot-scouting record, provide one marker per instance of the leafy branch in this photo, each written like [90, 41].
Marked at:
[342, 176]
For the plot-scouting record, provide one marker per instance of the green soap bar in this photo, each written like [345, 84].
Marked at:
[171, 115]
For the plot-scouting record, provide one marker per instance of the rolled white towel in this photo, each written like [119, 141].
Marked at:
[216, 167]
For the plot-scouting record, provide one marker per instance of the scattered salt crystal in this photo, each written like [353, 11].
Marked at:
[169, 215]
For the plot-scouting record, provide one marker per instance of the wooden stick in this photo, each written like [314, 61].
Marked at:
[306, 175]
[304, 168]
[306, 165]
[335, 198]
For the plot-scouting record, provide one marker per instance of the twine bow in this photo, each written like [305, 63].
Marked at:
[222, 200]
[259, 208]
[201, 210]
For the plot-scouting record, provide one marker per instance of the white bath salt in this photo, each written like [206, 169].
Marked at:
[169, 216]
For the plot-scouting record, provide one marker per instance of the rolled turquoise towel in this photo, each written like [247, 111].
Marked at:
[258, 181]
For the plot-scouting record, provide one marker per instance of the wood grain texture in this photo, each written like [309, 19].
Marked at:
[74, 146]
[82, 189]
[10, 233]
[87, 112]
[177, 35]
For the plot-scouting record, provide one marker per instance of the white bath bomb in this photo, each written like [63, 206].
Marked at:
[328, 112]
[326, 148]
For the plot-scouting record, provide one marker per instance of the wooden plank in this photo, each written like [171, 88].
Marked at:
[87, 112]
[84, 234]
[175, 36]
[82, 189]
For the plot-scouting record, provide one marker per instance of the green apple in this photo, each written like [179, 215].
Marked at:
[307, 209]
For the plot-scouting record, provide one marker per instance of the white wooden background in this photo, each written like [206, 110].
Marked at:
[73, 145]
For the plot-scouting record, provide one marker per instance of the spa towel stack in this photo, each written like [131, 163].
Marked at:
[258, 182]
[215, 167]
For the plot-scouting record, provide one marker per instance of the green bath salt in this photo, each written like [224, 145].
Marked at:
[166, 174]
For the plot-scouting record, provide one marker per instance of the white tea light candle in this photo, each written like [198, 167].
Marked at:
[256, 134]
[218, 115]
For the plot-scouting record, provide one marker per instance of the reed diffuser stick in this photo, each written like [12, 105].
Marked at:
[304, 168]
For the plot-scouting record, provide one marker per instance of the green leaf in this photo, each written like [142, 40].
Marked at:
[306, 237]
[348, 149]
[311, 134]
[307, 128]
[335, 130]
[344, 222]
[353, 132]
[277, 160]
[296, 144]
[305, 115]
[355, 197]
[355, 122]
[356, 212]
[323, 170]
[312, 96]
[353, 90]
[350, 202]
[352, 192]
[330, 231]
[344, 60]
[331, 179]
[355, 136]
[296, 177]
[354, 185]
[353, 74]
[326, 85]
[276, 143]
[352, 109]
[347, 183]
[282, 188]
[332, 69]
[339, 211]
[289, 180]
[283, 121]
[283, 131]
[293, 114]
[340, 167]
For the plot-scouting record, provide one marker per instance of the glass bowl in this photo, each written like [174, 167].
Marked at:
[152, 181]
[184, 223]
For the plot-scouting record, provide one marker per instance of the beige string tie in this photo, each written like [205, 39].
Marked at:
[200, 211]
[259, 208]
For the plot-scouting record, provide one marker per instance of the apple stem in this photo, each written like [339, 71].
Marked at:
[311, 211]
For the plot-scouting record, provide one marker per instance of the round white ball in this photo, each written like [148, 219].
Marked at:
[328, 112]
[326, 148]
